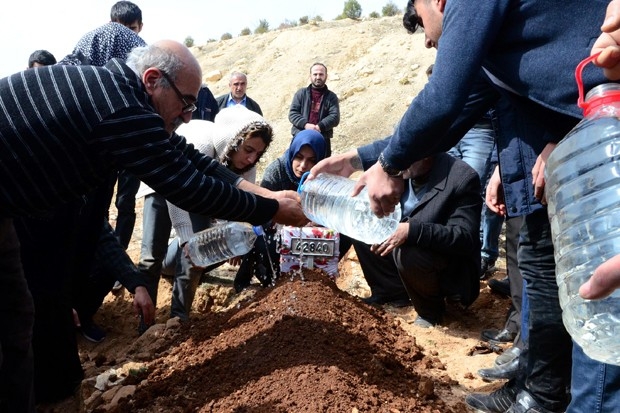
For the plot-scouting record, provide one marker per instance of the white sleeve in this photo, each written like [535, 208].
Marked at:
[181, 222]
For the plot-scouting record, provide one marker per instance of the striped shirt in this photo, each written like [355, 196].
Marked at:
[63, 129]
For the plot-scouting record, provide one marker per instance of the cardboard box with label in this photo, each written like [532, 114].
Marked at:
[310, 247]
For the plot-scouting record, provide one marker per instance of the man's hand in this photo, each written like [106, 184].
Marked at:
[604, 281]
[494, 194]
[384, 191]
[142, 303]
[608, 42]
[343, 164]
[394, 241]
[538, 173]
[290, 213]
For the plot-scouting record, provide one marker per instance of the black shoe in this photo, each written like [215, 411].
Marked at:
[92, 332]
[501, 287]
[504, 371]
[494, 336]
[487, 268]
[508, 355]
[395, 301]
[498, 401]
[525, 403]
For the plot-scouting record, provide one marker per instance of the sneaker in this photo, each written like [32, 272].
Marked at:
[525, 403]
[487, 268]
[498, 401]
[92, 332]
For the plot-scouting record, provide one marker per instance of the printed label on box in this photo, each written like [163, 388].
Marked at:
[310, 247]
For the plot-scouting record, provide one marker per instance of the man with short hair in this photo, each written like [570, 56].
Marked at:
[40, 58]
[435, 251]
[238, 84]
[128, 14]
[527, 69]
[60, 143]
[316, 107]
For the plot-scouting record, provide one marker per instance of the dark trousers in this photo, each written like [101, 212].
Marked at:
[547, 357]
[381, 273]
[126, 206]
[513, 321]
[411, 270]
[156, 228]
[57, 255]
[16, 323]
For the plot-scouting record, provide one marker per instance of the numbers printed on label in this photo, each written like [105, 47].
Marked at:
[312, 246]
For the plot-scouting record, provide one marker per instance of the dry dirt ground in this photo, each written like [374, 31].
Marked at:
[308, 344]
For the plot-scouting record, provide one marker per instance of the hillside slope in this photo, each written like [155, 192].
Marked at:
[374, 66]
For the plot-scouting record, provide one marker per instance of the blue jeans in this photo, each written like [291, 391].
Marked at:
[548, 359]
[187, 277]
[156, 228]
[475, 149]
[595, 387]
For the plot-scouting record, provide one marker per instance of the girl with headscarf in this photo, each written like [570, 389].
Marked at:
[306, 149]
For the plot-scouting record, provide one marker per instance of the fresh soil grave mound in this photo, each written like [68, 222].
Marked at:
[304, 346]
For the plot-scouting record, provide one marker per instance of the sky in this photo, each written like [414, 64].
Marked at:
[57, 25]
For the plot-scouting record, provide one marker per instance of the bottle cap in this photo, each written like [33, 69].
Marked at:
[300, 188]
[598, 96]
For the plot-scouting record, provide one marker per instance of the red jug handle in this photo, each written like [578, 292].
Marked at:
[578, 71]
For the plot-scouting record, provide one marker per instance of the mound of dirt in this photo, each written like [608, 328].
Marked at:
[302, 346]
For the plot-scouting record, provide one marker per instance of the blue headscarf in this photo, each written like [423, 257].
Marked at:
[305, 137]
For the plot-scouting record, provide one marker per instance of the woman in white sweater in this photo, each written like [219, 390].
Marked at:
[238, 138]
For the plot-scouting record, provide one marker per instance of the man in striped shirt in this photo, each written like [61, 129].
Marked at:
[64, 129]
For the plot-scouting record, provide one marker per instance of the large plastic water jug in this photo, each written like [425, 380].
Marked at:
[583, 194]
[327, 200]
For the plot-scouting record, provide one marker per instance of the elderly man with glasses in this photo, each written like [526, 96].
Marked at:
[59, 143]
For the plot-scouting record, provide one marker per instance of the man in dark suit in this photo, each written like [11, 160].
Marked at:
[435, 250]
[238, 84]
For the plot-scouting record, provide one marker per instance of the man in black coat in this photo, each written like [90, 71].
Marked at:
[435, 251]
[316, 107]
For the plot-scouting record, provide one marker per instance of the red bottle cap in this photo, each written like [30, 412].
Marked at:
[605, 96]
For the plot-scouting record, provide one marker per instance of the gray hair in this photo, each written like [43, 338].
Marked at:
[142, 58]
[238, 74]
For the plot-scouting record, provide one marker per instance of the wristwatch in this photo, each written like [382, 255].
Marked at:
[393, 172]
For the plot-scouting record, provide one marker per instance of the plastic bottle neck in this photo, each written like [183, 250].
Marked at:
[601, 95]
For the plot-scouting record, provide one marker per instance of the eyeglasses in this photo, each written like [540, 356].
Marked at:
[189, 107]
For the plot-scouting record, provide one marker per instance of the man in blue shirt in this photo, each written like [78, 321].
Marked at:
[238, 84]
[524, 51]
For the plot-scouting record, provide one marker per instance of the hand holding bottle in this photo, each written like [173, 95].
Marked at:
[604, 281]
[608, 43]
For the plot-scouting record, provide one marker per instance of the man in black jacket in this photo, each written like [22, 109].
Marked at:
[238, 84]
[316, 107]
[434, 253]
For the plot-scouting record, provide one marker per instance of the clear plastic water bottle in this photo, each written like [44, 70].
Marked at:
[583, 193]
[327, 200]
[221, 242]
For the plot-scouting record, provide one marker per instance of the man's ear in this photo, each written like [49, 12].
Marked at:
[442, 5]
[151, 78]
